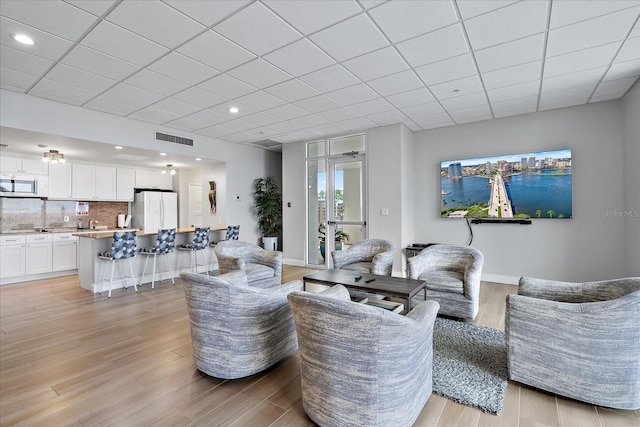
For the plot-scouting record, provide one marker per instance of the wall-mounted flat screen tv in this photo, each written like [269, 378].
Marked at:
[527, 185]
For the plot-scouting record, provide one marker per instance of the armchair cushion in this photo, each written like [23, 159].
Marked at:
[444, 281]
[359, 267]
[263, 268]
[366, 256]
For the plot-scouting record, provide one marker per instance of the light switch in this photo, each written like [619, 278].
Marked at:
[384, 212]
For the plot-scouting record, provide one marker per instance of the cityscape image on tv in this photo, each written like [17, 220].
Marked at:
[528, 185]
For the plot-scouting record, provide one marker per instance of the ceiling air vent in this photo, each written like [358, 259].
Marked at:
[173, 138]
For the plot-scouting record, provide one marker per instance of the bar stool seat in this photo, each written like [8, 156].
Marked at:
[123, 246]
[165, 244]
[199, 243]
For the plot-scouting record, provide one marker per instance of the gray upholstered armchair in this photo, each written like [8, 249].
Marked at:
[579, 340]
[453, 276]
[362, 365]
[373, 256]
[238, 330]
[263, 268]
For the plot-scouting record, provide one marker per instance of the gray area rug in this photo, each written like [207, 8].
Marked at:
[470, 364]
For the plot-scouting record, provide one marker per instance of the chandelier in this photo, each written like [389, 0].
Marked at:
[53, 156]
[169, 169]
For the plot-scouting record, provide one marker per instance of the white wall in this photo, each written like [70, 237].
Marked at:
[588, 247]
[243, 163]
[631, 107]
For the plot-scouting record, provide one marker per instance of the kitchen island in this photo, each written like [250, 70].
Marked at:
[91, 268]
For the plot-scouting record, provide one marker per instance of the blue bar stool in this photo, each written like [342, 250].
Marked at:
[200, 242]
[165, 243]
[123, 246]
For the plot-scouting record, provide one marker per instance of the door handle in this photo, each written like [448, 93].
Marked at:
[331, 222]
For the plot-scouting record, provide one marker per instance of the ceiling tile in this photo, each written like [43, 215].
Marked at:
[313, 15]
[20, 60]
[433, 121]
[95, 7]
[362, 34]
[594, 32]
[215, 131]
[199, 120]
[401, 20]
[308, 121]
[260, 74]
[55, 17]
[580, 60]
[396, 83]
[226, 86]
[330, 78]
[176, 107]
[436, 46]
[565, 98]
[199, 97]
[387, 117]
[630, 50]
[125, 98]
[521, 90]
[79, 78]
[512, 75]
[238, 125]
[353, 95]
[152, 19]
[183, 69]
[98, 63]
[508, 54]
[153, 115]
[579, 78]
[243, 109]
[457, 88]
[374, 106]
[357, 123]
[470, 8]
[317, 104]
[464, 101]
[635, 32]
[514, 107]
[376, 64]
[621, 70]
[565, 13]
[262, 119]
[509, 23]
[155, 82]
[292, 90]
[473, 114]
[615, 88]
[338, 114]
[449, 69]
[299, 58]
[284, 127]
[258, 29]
[19, 80]
[123, 44]
[46, 45]
[409, 98]
[261, 100]
[422, 110]
[207, 12]
[215, 51]
[287, 112]
[51, 89]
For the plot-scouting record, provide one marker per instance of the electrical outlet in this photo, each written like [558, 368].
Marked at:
[66, 218]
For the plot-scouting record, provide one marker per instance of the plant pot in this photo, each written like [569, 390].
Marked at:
[270, 243]
[338, 247]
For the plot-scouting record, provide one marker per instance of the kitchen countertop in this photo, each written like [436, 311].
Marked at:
[49, 231]
[102, 234]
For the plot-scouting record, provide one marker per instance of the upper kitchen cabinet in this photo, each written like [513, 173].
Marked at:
[30, 165]
[93, 182]
[153, 179]
[125, 180]
[60, 181]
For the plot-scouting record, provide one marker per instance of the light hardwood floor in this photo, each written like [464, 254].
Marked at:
[68, 357]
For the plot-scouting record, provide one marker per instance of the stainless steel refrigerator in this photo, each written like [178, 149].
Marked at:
[153, 210]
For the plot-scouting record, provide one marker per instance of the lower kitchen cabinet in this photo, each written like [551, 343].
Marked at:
[38, 254]
[12, 256]
[65, 252]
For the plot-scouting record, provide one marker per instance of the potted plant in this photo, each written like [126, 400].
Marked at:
[339, 237]
[268, 208]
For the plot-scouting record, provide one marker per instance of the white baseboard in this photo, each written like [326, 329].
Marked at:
[498, 278]
[294, 262]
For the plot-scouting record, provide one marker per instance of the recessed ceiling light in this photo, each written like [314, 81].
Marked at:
[117, 147]
[21, 38]
[198, 159]
[233, 110]
[163, 154]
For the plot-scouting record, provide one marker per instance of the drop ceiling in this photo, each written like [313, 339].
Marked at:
[300, 70]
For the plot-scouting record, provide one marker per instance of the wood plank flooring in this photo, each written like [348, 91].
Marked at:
[72, 358]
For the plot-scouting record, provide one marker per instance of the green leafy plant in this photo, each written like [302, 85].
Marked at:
[339, 235]
[268, 206]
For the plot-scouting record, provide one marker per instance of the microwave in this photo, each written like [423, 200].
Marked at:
[24, 186]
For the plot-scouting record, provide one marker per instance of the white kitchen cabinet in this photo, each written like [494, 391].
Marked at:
[153, 179]
[125, 180]
[60, 181]
[12, 255]
[16, 164]
[93, 182]
[38, 254]
[65, 252]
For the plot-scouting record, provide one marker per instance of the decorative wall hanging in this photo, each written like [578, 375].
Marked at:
[212, 197]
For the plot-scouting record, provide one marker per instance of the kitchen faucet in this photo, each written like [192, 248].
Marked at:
[92, 223]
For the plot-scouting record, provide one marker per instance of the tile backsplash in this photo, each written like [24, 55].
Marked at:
[29, 214]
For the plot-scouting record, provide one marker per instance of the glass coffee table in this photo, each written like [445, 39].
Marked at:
[397, 287]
